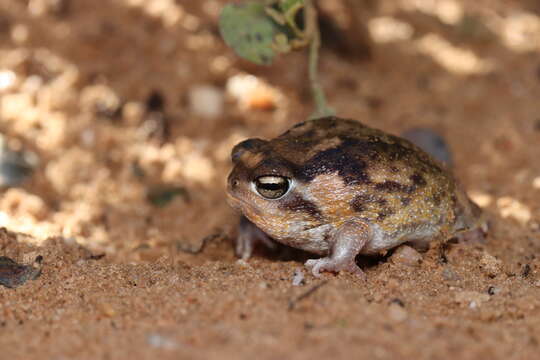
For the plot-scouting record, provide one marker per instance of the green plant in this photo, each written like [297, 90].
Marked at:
[259, 30]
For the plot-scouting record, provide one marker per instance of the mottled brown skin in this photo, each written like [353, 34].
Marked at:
[353, 190]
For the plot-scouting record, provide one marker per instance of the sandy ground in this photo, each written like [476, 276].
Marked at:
[107, 94]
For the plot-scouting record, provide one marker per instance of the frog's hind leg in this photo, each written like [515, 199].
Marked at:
[477, 235]
[348, 241]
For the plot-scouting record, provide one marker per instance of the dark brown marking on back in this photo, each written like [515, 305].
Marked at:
[390, 186]
[351, 168]
[418, 180]
[358, 205]
[384, 213]
[253, 145]
[405, 201]
[360, 202]
[359, 146]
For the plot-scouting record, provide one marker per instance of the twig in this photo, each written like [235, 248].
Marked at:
[312, 30]
[293, 302]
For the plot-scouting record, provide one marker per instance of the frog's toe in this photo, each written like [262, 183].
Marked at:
[244, 246]
[332, 265]
[315, 266]
[474, 236]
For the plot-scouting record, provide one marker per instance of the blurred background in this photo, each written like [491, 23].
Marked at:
[118, 116]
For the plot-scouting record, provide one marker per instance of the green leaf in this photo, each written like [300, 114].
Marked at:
[288, 5]
[290, 8]
[249, 31]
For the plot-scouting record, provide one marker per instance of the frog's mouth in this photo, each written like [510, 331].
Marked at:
[234, 202]
[242, 205]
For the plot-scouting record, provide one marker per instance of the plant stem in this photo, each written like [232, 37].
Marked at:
[312, 30]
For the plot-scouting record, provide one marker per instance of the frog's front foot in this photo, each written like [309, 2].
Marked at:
[333, 265]
[348, 241]
[248, 236]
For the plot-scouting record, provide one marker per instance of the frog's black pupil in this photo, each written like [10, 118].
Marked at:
[272, 189]
[274, 186]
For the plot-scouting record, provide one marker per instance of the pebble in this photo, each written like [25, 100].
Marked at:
[155, 102]
[431, 142]
[206, 101]
[150, 254]
[406, 255]
[490, 265]
[162, 195]
[513, 208]
[492, 290]
[472, 299]
[23, 204]
[101, 100]
[252, 93]
[106, 309]
[15, 166]
[243, 264]
[161, 342]
[450, 275]
[13, 274]
[7, 79]
[397, 313]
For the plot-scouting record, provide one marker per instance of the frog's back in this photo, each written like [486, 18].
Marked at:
[354, 171]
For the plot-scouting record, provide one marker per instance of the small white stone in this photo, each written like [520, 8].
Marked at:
[242, 263]
[7, 79]
[206, 101]
[480, 198]
[490, 265]
[473, 299]
[397, 313]
[88, 137]
[387, 29]
[161, 342]
[510, 207]
[536, 183]
[253, 93]
[406, 255]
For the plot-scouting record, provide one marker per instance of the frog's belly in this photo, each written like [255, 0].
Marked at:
[318, 240]
[315, 239]
[381, 240]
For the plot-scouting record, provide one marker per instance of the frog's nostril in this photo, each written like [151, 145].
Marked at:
[235, 183]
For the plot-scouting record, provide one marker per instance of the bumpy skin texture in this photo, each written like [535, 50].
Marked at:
[352, 190]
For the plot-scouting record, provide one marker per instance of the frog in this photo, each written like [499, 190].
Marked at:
[338, 188]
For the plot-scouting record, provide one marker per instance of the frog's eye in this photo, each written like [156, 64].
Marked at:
[271, 186]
